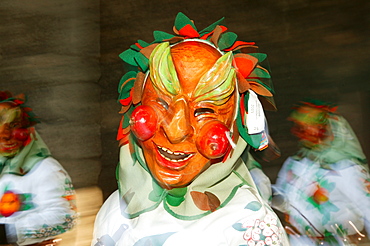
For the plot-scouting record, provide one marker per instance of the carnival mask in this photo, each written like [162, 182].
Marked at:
[12, 134]
[310, 126]
[187, 111]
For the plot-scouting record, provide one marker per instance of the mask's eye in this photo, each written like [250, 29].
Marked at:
[200, 111]
[15, 124]
[163, 103]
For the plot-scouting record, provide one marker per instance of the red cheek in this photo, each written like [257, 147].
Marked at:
[21, 134]
[143, 122]
[212, 141]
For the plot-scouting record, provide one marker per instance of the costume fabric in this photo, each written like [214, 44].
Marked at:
[44, 191]
[142, 213]
[327, 189]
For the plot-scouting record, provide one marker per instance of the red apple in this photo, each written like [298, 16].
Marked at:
[143, 122]
[212, 141]
[21, 134]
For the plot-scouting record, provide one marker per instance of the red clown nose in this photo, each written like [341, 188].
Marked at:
[212, 141]
[143, 122]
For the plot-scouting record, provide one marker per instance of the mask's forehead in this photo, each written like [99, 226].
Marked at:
[192, 60]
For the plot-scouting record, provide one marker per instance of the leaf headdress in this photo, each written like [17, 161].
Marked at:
[250, 66]
[19, 101]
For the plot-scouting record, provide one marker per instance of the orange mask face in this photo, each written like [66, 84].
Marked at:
[310, 126]
[188, 112]
[12, 135]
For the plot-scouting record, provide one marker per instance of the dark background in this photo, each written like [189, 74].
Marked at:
[64, 56]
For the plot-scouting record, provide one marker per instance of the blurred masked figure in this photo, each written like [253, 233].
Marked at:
[324, 188]
[36, 193]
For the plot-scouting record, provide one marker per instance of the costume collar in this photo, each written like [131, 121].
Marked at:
[27, 158]
[211, 190]
[345, 145]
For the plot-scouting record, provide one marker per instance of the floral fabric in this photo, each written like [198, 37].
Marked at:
[46, 202]
[245, 221]
[141, 213]
[326, 203]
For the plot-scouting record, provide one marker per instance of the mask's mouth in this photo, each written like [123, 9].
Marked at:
[10, 146]
[173, 156]
[9, 149]
[172, 159]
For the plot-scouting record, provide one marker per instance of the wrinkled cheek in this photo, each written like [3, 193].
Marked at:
[213, 140]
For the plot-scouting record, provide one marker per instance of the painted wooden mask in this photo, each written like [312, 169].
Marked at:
[187, 110]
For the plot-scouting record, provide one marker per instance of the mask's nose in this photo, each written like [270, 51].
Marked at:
[176, 124]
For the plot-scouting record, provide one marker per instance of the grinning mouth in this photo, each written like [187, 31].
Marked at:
[173, 156]
[9, 145]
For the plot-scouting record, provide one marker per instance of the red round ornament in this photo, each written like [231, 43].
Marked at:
[212, 141]
[143, 122]
[21, 134]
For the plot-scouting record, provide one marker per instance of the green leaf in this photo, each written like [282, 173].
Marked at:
[126, 118]
[226, 40]
[135, 47]
[254, 206]
[182, 20]
[126, 88]
[143, 43]
[253, 140]
[160, 36]
[142, 61]
[259, 73]
[267, 83]
[239, 227]
[128, 56]
[154, 240]
[156, 194]
[211, 27]
[174, 200]
[178, 191]
[260, 56]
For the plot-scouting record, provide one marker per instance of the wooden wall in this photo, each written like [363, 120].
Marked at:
[49, 50]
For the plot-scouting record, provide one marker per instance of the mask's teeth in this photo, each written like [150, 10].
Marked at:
[173, 156]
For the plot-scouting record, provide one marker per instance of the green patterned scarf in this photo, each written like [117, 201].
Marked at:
[345, 145]
[211, 190]
[26, 159]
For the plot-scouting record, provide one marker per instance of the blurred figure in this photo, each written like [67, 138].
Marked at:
[36, 193]
[324, 188]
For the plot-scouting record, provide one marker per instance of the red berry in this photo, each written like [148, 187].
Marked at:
[143, 122]
[212, 141]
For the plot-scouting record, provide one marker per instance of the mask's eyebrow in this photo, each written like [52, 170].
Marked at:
[162, 70]
[8, 115]
[218, 83]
